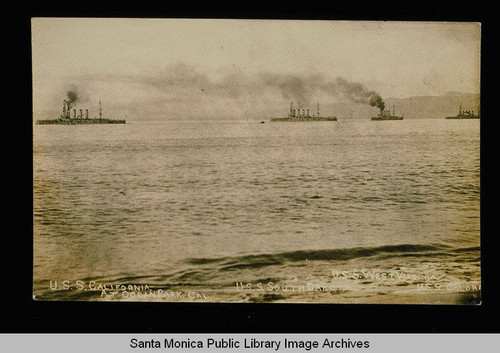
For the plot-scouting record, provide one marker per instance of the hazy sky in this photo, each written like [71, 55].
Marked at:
[148, 67]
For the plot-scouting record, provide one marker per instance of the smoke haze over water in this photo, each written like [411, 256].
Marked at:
[301, 88]
[233, 83]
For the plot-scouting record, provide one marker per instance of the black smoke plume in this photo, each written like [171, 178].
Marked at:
[72, 98]
[376, 101]
[357, 93]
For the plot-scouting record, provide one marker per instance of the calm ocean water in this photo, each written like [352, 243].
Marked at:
[347, 211]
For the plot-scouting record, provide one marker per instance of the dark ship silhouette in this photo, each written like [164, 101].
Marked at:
[466, 114]
[386, 115]
[303, 116]
[66, 119]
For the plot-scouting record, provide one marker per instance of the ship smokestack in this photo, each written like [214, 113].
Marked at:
[86, 113]
[81, 114]
[74, 113]
[307, 113]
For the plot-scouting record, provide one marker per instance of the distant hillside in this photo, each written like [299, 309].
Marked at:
[419, 107]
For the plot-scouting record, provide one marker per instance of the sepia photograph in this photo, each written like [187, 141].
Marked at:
[256, 161]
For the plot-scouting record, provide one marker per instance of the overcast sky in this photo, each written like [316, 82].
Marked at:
[148, 67]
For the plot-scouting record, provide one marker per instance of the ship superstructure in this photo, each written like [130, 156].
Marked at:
[386, 115]
[66, 118]
[298, 115]
[465, 114]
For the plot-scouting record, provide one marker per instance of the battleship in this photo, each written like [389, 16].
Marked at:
[466, 114]
[386, 115]
[297, 115]
[66, 119]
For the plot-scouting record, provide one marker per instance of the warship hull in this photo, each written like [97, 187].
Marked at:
[300, 119]
[67, 121]
[463, 117]
[379, 118]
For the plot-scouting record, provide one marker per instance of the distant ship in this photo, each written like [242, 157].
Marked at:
[464, 115]
[66, 119]
[304, 116]
[386, 115]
